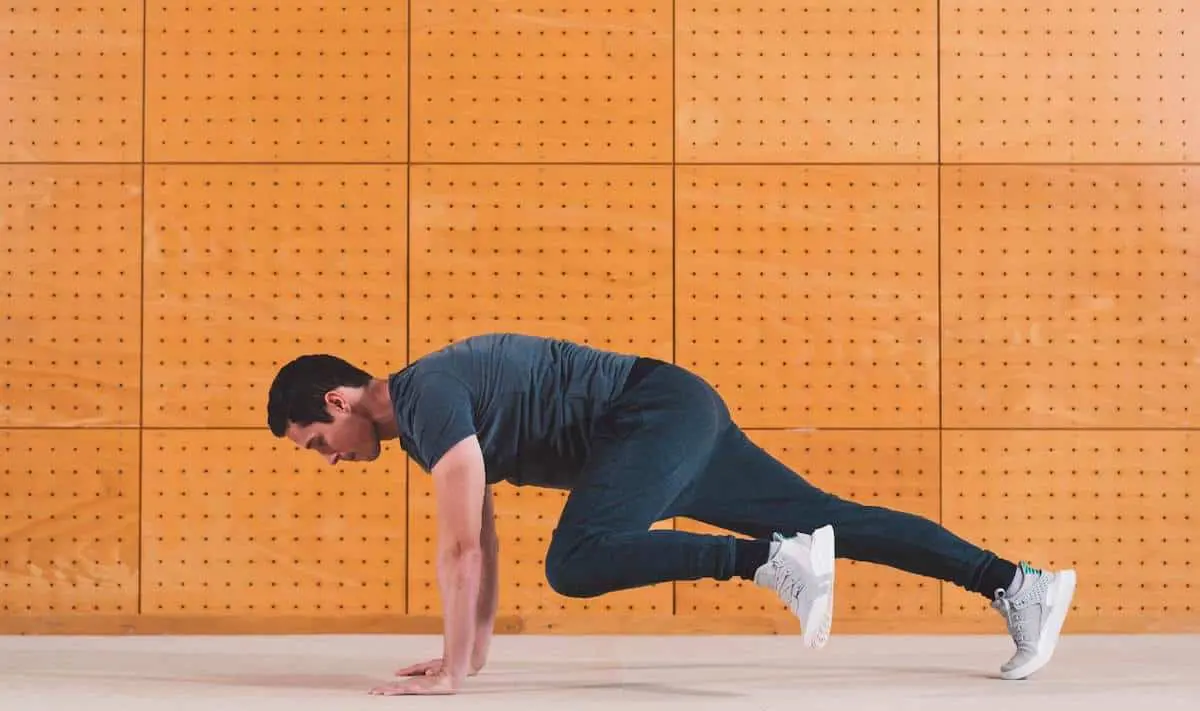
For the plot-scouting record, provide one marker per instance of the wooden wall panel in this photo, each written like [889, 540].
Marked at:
[808, 295]
[299, 81]
[1102, 81]
[816, 80]
[1118, 506]
[897, 469]
[71, 287]
[239, 523]
[249, 266]
[581, 252]
[69, 530]
[862, 221]
[71, 81]
[501, 80]
[1069, 296]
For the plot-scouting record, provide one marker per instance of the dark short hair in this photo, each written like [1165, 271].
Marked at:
[298, 392]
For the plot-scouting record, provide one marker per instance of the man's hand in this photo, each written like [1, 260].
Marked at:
[433, 667]
[432, 684]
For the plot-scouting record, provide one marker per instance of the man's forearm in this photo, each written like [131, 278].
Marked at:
[459, 573]
[489, 597]
[489, 586]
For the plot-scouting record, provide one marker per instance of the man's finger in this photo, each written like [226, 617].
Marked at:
[418, 669]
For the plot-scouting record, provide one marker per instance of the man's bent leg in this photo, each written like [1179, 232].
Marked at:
[646, 453]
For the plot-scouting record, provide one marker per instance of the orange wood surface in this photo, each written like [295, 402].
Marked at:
[1097, 81]
[808, 295]
[1069, 296]
[505, 81]
[69, 532]
[299, 81]
[815, 80]
[236, 524]
[246, 265]
[936, 256]
[71, 81]
[72, 295]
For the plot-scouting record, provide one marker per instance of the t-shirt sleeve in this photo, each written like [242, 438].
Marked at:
[443, 415]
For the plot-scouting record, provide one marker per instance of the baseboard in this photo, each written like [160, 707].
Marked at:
[610, 624]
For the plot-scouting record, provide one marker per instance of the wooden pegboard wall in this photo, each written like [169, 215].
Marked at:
[884, 219]
[541, 80]
[69, 529]
[297, 82]
[71, 295]
[810, 81]
[1068, 296]
[1072, 82]
[244, 263]
[70, 88]
[235, 524]
[808, 296]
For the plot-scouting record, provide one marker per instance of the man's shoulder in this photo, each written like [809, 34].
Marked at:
[497, 344]
[467, 357]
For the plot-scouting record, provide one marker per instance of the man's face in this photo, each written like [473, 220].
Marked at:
[350, 437]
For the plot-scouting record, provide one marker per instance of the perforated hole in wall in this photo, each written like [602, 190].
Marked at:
[1117, 506]
[302, 81]
[539, 80]
[808, 296]
[72, 74]
[582, 252]
[896, 469]
[525, 522]
[1105, 80]
[249, 266]
[233, 522]
[809, 81]
[71, 283]
[68, 522]
[1069, 296]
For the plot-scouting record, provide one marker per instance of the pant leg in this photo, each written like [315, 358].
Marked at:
[747, 490]
[646, 452]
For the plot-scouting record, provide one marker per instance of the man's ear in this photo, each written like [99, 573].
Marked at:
[337, 401]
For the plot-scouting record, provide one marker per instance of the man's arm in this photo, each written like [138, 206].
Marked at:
[459, 486]
[489, 587]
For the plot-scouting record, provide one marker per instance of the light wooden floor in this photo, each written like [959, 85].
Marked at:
[1091, 673]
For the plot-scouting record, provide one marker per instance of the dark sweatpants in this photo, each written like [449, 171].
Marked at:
[669, 448]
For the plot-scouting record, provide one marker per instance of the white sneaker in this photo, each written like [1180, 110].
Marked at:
[1035, 616]
[801, 571]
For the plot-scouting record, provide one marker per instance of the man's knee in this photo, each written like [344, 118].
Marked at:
[568, 569]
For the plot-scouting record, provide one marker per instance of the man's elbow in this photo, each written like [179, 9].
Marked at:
[462, 551]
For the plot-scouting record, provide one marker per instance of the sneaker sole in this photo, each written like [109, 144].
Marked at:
[820, 615]
[1060, 605]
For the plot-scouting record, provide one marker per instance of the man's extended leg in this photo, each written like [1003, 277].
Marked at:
[745, 489]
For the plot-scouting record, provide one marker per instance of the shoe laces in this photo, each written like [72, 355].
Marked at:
[789, 585]
[1017, 617]
[1023, 610]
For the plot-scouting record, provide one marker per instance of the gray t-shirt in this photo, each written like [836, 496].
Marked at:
[530, 400]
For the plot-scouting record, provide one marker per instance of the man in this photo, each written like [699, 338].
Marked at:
[635, 441]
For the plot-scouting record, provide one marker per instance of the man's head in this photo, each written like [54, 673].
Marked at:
[326, 404]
